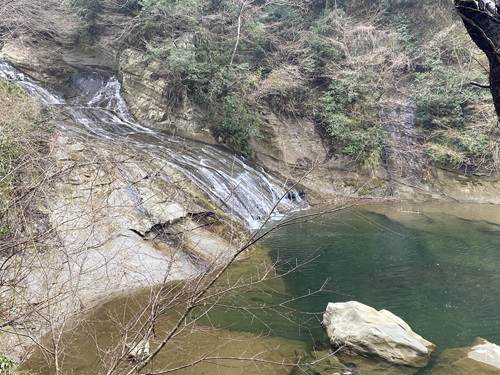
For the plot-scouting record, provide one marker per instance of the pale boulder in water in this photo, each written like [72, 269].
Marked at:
[481, 358]
[365, 331]
[486, 352]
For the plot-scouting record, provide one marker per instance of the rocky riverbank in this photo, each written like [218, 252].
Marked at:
[114, 221]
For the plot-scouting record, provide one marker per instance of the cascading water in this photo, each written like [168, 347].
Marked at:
[93, 99]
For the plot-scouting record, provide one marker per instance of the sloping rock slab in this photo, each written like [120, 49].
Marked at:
[363, 330]
[481, 358]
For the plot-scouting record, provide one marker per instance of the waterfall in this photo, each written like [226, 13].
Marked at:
[400, 156]
[92, 98]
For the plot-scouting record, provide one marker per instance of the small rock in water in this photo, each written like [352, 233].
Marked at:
[481, 358]
[138, 351]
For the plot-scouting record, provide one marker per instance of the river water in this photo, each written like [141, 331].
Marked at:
[435, 265]
[436, 270]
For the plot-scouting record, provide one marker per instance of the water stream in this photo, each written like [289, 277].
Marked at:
[92, 98]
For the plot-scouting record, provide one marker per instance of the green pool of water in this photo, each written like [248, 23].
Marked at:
[438, 271]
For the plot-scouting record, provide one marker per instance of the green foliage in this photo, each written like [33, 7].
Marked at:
[444, 154]
[286, 21]
[321, 51]
[87, 9]
[406, 36]
[365, 146]
[160, 19]
[4, 233]
[443, 97]
[349, 116]
[330, 63]
[12, 90]
[128, 6]
[446, 111]
[238, 126]
[201, 62]
[205, 79]
[6, 365]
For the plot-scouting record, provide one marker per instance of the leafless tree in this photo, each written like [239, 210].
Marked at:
[34, 22]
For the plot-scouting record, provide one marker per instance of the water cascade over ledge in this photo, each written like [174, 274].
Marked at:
[92, 98]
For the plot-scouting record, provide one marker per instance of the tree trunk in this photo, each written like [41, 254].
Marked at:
[482, 22]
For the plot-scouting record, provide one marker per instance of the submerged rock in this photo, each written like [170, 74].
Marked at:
[137, 351]
[373, 366]
[486, 353]
[481, 358]
[363, 330]
[322, 362]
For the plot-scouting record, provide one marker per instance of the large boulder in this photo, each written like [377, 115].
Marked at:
[363, 330]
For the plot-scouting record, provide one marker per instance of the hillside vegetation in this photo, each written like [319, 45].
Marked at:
[333, 62]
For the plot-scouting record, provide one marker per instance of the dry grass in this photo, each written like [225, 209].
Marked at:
[35, 22]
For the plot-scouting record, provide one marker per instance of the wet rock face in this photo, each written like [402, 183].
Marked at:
[402, 159]
[110, 194]
[46, 66]
[147, 103]
[365, 331]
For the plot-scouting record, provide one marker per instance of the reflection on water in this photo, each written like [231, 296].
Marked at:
[93, 344]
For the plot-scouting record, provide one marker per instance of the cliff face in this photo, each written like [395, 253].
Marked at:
[291, 147]
[147, 95]
[294, 147]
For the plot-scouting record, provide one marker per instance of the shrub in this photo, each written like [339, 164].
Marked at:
[443, 96]
[6, 365]
[238, 126]
[473, 147]
[406, 36]
[444, 154]
[324, 43]
[161, 19]
[349, 116]
[87, 9]
[197, 72]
